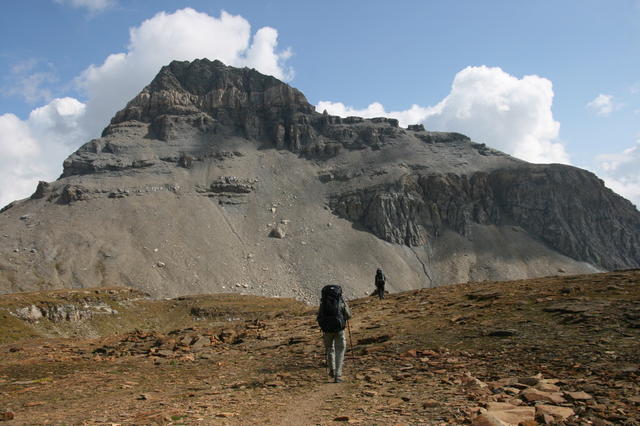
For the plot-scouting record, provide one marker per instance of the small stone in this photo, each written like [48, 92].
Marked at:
[200, 343]
[6, 415]
[430, 403]
[277, 232]
[187, 340]
[548, 419]
[578, 396]
[226, 414]
[370, 393]
[486, 419]
[502, 333]
[532, 394]
[547, 387]
[509, 413]
[164, 353]
[144, 397]
[472, 382]
[341, 419]
[558, 413]
[530, 381]
[161, 264]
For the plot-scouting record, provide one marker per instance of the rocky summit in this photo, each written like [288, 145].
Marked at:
[217, 179]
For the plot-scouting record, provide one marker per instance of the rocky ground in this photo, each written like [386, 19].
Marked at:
[557, 350]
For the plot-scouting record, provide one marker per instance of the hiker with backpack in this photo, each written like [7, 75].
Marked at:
[332, 319]
[380, 281]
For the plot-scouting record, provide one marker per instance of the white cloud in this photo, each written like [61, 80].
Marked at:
[490, 106]
[92, 6]
[33, 149]
[55, 130]
[19, 159]
[59, 122]
[621, 172]
[602, 105]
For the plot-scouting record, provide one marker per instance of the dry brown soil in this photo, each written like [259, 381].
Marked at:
[414, 359]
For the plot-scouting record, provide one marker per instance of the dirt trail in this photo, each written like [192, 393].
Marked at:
[310, 407]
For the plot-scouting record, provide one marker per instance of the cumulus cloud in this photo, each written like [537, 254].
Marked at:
[19, 165]
[489, 105]
[58, 128]
[602, 105]
[33, 149]
[92, 6]
[621, 172]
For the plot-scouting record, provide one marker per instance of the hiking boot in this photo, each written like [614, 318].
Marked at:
[338, 380]
[331, 373]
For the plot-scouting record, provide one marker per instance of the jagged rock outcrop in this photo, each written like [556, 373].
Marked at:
[192, 180]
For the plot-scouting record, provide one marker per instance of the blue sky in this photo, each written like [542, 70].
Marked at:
[547, 81]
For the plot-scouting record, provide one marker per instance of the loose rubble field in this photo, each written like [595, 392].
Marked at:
[557, 350]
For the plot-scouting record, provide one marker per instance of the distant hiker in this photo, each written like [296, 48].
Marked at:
[380, 281]
[332, 319]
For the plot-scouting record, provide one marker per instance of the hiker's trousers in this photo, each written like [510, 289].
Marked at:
[334, 346]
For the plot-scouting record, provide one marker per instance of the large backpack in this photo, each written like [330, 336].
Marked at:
[330, 316]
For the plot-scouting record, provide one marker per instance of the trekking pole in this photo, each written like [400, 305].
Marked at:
[350, 341]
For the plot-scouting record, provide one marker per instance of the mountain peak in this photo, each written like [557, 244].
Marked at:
[223, 93]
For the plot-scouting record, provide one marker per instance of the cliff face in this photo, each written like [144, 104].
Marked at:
[567, 208]
[192, 180]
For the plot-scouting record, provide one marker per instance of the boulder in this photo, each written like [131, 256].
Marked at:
[277, 232]
[29, 313]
